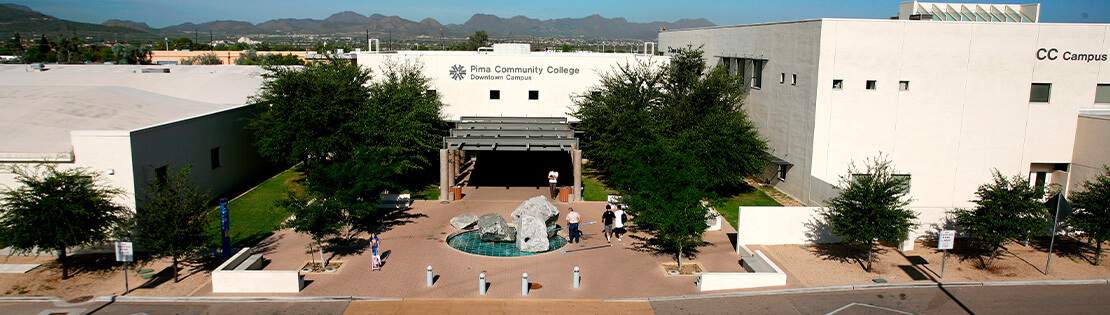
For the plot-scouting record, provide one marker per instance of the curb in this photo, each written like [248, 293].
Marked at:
[863, 287]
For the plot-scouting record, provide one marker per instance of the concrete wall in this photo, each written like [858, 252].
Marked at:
[805, 225]
[190, 141]
[109, 153]
[1091, 151]
[227, 280]
[469, 95]
[711, 281]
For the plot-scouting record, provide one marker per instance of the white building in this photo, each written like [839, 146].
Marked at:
[508, 79]
[130, 122]
[947, 99]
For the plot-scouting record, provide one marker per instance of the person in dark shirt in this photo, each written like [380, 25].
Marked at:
[607, 219]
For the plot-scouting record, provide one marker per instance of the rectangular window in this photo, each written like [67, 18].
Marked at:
[782, 78]
[1040, 92]
[838, 84]
[215, 155]
[160, 173]
[533, 95]
[871, 84]
[903, 85]
[741, 67]
[494, 94]
[757, 73]
[1102, 93]
[794, 79]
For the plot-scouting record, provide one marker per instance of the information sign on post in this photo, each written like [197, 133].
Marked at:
[947, 239]
[125, 253]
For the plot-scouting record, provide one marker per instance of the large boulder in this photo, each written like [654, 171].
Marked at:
[493, 228]
[539, 208]
[464, 220]
[531, 235]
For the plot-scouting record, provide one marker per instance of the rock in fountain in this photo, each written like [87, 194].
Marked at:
[464, 220]
[539, 208]
[531, 234]
[494, 229]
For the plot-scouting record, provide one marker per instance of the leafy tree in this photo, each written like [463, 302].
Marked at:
[1007, 209]
[282, 59]
[472, 43]
[1093, 219]
[202, 59]
[54, 209]
[131, 55]
[871, 206]
[319, 217]
[14, 45]
[173, 217]
[249, 57]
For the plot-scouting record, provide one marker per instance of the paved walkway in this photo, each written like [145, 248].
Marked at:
[471, 306]
[621, 271]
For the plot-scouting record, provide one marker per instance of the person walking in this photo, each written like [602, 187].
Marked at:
[573, 218]
[618, 222]
[607, 219]
[376, 258]
[552, 179]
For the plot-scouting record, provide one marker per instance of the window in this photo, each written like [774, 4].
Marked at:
[533, 95]
[903, 85]
[794, 79]
[494, 94]
[782, 78]
[905, 177]
[757, 73]
[160, 174]
[871, 84]
[1102, 93]
[838, 84]
[1040, 92]
[215, 155]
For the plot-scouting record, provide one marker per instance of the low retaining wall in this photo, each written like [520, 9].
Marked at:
[225, 279]
[805, 225]
[710, 281]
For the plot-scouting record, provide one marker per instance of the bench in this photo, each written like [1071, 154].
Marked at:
[395, 201]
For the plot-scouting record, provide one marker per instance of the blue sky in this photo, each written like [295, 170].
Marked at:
[162, 13]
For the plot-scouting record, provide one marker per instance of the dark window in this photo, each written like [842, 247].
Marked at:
[160, 174]
[1102, 93]
[794, 79]
[782, 78]
[215, 155]
[533, 95]
[757, 73]
[871, 84]
[838, 84]
[494, 94]
[1040, 92]
[903, 85]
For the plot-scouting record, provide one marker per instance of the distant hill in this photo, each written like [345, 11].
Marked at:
[16, 18]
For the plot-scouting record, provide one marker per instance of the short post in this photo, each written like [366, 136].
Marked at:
[482, 284]
[577, 277]
[429, 276]
[942, 262]
[524, 284]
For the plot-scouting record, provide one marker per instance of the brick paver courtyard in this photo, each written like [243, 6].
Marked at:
[620, 271]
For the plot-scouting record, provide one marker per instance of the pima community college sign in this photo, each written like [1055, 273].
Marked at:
[459, 72]
[1054, 54]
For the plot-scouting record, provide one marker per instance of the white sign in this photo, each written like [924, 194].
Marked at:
[947, 238]
[124, 252]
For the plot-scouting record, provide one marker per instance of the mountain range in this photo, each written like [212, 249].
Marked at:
[347, 22]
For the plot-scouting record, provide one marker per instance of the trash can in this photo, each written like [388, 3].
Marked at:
[564, 193]
[456, 192]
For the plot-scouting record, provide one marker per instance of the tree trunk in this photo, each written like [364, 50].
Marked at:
[678, 256]
[175, 280]
[1098, 253]
[994, 253]
[869, 247]
[65, 266]
[323, 263]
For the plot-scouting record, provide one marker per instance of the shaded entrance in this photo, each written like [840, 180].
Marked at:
[510, 151]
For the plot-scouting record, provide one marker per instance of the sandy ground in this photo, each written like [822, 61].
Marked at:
[834, 264]
[99, 275]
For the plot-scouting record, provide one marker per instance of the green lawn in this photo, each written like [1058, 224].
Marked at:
[253, 215]
[593, 189]
[728, 207]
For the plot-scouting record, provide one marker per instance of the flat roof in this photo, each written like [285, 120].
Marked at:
[41, 108]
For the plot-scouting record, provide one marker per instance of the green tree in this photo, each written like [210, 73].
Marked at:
[472, 43]
[249, 57]
[173, 217]
[282, 59]
[202, 59]
[54, 209]
[1093, 217]
[131, 55]
[871, 206]
[1007, 209]
[318, 217]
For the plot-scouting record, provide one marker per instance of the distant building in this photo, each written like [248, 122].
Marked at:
[131, 122]
[949, 98]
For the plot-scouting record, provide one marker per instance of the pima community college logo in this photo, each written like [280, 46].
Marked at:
[458, 72]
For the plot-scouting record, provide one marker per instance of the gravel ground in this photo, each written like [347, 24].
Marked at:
[97, 275]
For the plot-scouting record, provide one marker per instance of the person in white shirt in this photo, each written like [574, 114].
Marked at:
[573, 218]
[552, 179]
[618, 222]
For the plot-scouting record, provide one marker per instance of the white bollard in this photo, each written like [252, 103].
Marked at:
[577, 277]
[482, 284]
[524, 284]
[429, 276]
